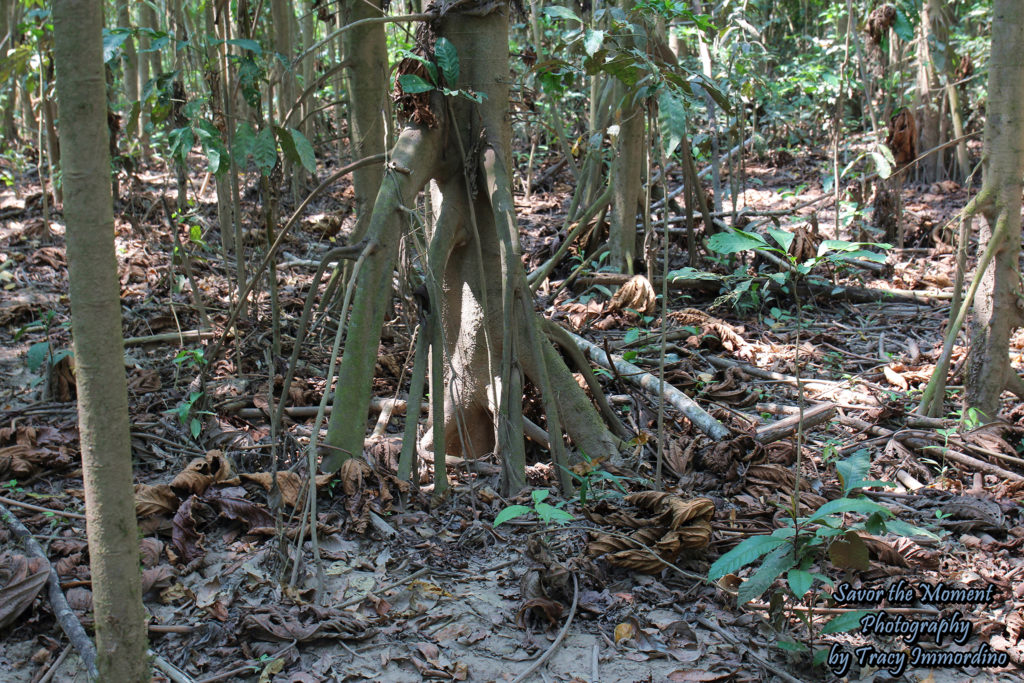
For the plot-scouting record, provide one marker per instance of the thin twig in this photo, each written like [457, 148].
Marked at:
[36, 508]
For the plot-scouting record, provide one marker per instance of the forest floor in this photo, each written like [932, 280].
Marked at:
[408, 594]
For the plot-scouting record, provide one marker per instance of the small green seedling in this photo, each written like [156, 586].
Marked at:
[546, 512]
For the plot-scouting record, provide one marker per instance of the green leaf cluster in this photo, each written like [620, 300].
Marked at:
[546, 512]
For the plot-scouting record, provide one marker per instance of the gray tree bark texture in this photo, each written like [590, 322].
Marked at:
[98, 344]
[997, 306]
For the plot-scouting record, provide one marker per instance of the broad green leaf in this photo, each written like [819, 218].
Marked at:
[688, 273]
[246, 44]
[511, 512]
[264, 151]
[549, 513]
[746, 552]
[775, 564]
[792, 646]
[881, 165]
[887, 153]
[901, 528]
[875, 524]
[903, 28]
[861, 505]
[245, 138]
[711, 89]
[847, 621]
[213, 147]
[538, 495]
[734, 241]
[132, 128]
[859, 254]
[61, 355]
[852, 470]
[782, 237]
[195, 426]
[307, 157]
[448, 60]
[412, 84]
[427, 64]
[593, 41]
[296, 147]
[113, 38]
[37, 354]
[214, 157]
[671, 120]
[820, 657]
[800, 582]
[181, 140]
[559, 12]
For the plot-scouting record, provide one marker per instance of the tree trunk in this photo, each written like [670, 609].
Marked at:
[489, 327]
[8, 128]
[98, 346]
[997, 307]
[366, 88]
[932, 33]
[131, 58]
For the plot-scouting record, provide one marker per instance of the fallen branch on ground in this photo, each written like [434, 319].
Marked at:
[62, 611]
[645, 380]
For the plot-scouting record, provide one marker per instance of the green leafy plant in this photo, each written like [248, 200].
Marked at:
[546, 512]
[190, 358]
[189, 414]
[792, 550]
[442, 73]
[593, 479]
[44, 353]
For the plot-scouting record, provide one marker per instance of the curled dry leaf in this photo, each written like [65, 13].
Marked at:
[305, 623]
[540, 608]
[16, 462]
[198, 475]
[231, 503]
[667, 525]
[289, 483]
[22, 579]
[712, 332]
[144, 381]
[894, 378]
[80, 599]
[150, 550]
[187, 540]
[66, 566]
[157, 578]
[915, 553]
[67, 546]
[883, 551]
[724, 457]
[155, 500]
[637, 294]
[771, 482]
